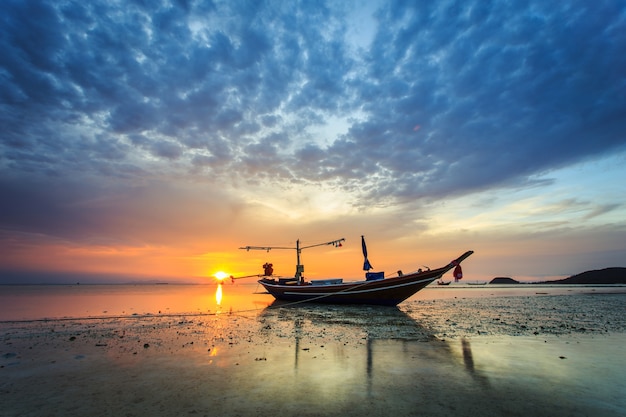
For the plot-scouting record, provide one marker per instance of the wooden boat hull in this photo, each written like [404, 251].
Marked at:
[388, 291]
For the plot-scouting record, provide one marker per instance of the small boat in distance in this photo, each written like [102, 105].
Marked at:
[375, 289]
[442, 282]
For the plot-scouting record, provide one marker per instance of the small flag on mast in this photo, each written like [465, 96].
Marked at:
[366, 264]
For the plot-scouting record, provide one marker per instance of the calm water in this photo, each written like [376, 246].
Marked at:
[32, 302]
[457, 350]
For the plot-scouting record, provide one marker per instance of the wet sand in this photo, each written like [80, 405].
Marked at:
[542, 354]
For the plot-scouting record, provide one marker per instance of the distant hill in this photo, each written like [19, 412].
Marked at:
[503, 280]
[598, 276]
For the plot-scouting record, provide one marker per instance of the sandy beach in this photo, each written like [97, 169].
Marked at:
[541, 353]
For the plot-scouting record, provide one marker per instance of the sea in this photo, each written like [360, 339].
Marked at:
[228, 349]
[47, 302]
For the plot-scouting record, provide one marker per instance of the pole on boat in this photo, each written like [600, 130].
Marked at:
[298, 248]
[299, 268]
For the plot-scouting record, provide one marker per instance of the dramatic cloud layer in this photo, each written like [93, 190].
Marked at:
[103, 103]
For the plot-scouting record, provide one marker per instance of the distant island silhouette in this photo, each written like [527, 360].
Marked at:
[598, 276]
[503, 280]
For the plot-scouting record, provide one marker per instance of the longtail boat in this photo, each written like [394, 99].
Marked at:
[375, 289]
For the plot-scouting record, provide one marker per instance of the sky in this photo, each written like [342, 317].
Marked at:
[150, 140]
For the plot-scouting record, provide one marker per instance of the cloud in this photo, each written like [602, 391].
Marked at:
[123, 213]
[447, 98]
[602, 209]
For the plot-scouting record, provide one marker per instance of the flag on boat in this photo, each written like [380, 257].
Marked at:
[366, 264]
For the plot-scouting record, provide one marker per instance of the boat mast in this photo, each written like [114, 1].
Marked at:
[298, 248]
[299, 266]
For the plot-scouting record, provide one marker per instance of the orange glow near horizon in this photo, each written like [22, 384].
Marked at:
[121, 263]
[189, 265]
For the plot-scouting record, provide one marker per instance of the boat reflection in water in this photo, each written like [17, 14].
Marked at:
[372, 351]
[354, 360]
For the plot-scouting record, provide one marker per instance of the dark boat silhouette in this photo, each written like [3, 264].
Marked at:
[375, 289]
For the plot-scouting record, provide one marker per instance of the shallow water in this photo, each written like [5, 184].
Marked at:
[478, 352]
[64, 301]
[32, 302]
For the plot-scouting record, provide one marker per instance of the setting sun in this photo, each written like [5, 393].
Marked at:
[221, 275]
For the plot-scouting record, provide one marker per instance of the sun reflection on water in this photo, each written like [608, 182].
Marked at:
[218, 295]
